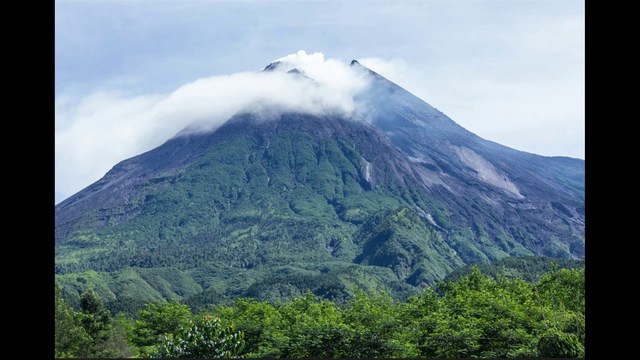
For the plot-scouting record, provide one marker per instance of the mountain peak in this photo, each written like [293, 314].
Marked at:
[272, 66]
[299, 60]
[400, 195]
[280, 66]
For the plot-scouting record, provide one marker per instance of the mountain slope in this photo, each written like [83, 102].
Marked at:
[268, 208]
[546, 192]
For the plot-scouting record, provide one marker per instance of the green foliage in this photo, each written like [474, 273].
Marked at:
[480, 316]
[261, 323]
[96, 321]
[314, 328]
[156, 321]
[117, 344]
[374, 328]
[563, 288]
[71, 339]
[91, 332]
[484, 317]
[205, 339]
[401, 240]
[528, 268]
[560, 345]
[475, 316]
[95, 318]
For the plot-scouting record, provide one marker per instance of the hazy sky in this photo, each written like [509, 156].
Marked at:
[509, 71]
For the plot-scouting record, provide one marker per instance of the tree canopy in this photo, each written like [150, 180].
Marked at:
[477, 315]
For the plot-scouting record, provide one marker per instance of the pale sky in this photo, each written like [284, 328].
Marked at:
[509, 71]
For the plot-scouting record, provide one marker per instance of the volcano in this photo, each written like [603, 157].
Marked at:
[268, 208]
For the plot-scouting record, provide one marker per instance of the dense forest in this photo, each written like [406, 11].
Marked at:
[474, 315]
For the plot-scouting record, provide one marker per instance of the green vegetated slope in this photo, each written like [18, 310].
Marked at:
[292, 204]
[268, 213]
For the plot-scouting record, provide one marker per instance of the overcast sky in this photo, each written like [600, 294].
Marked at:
[509, 71]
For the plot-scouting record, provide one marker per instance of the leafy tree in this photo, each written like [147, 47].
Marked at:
[314, 328]
[564, 289]
[479, 316]
[71, 339]
[560, 295]
[96, 320]
[560, 345]
[454, 336]
[157, 320]
[205, 339]
[374, 330]
[416, 317]
[117, 345]
[261, 323]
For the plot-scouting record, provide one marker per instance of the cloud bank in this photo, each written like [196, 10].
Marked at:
[106, 127]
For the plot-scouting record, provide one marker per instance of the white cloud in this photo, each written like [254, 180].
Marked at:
[104, 128]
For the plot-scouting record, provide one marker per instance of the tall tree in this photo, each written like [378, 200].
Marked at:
[262, 324]
[96, 319]
[157, 320]
[71, 339]
[374, 332]
[314, 328]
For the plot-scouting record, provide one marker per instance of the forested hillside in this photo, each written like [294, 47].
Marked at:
[476, 315]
